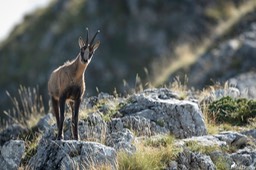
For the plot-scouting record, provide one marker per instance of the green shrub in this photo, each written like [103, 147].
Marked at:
[233, 111]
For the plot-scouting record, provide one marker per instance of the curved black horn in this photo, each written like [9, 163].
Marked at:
[87, 41]
[94, 37]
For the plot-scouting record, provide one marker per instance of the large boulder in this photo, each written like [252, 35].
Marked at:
[72, 154]
[11, 153]
[157, 111]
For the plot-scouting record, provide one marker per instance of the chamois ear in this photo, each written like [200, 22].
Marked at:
[81, 42]
[96, 45]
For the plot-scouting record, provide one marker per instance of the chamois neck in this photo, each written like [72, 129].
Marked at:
[79, 66]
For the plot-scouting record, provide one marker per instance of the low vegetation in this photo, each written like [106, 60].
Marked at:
[26, 110]
[150, 154]
[233, 111]
[197, 147]
[31, 143]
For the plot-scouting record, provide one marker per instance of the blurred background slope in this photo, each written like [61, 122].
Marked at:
[157, 40]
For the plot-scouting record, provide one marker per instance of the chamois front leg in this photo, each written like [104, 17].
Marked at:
[55, 106]
[62, 102]
[75, 118]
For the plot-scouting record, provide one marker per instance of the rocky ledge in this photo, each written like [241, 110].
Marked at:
[118, 124]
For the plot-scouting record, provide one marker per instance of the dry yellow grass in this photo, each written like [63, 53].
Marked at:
[149, 155]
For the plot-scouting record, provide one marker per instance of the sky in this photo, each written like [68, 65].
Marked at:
[13, 11]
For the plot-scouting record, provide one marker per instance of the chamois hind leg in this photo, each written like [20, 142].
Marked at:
[75, 118]
[72, 105]
[62, 102]
[55, 107]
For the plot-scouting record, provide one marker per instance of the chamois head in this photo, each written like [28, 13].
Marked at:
[87, 49]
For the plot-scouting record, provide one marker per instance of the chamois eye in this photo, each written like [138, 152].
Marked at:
[90, 54]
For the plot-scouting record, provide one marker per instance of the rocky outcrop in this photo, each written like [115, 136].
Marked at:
[157, 111]
[120, 124]
[72, 154]
[121, 140]
[242, 156]
[11, 153]
[92, 128]
[188, 160]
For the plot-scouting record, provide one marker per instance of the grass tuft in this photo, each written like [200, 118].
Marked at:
[150, 154]
[27, 108]
[31, 143]
[194, 146]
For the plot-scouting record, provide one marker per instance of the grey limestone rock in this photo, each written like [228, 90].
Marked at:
[243, 158]
[72, 154]
[235, 139]
[45, 122]
[251, 133]
[157, 111]
[121, 140]
[92, 128]
[11, 154]
[188, 160]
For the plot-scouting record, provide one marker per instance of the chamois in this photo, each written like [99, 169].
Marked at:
[66, 84]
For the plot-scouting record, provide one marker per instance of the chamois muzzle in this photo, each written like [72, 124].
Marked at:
[87, 49]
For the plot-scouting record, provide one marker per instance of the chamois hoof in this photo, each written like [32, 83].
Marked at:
[76, 137]
[59, 137]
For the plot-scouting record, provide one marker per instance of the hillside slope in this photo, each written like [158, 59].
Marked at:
[134, 35]
[230, 56]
